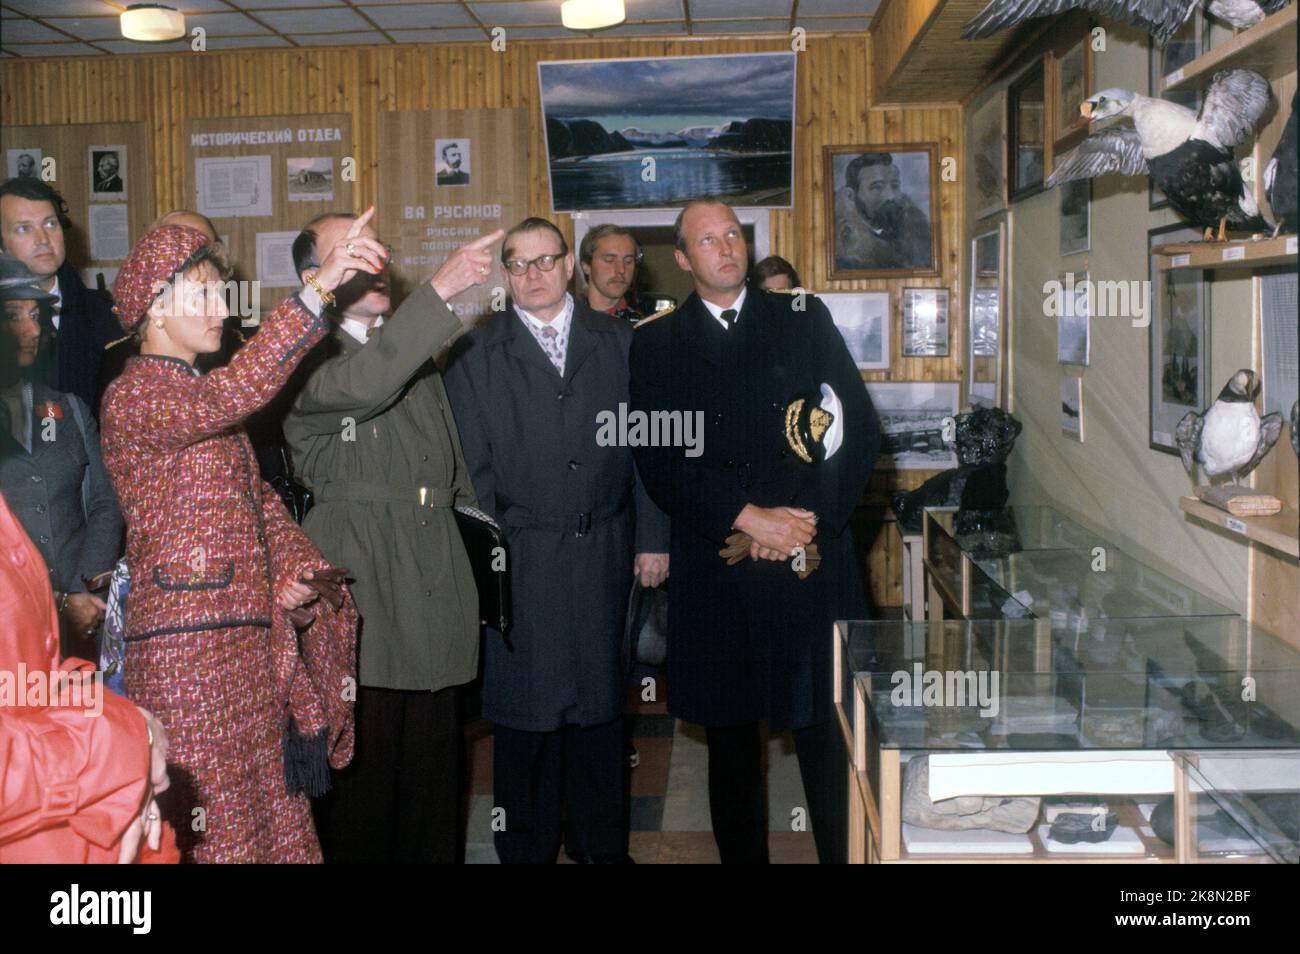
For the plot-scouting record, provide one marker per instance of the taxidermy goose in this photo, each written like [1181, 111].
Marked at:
[1160, 18]
[1189, 155]
[1230, 437]
[1280, 176]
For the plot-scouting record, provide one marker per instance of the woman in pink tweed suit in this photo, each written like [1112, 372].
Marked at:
[220, 574]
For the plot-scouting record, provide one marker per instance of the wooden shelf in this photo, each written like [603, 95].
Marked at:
[1246, 253]
[1267, 48]
[1277, 532]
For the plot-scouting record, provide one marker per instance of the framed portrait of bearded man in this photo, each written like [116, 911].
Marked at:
[883, 204]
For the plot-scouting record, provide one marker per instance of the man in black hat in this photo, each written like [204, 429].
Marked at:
[790, 438]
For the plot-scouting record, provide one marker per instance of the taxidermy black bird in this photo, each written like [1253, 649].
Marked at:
[1280, 176]
[1230, 437]
[1160, 18]
[1188, 154]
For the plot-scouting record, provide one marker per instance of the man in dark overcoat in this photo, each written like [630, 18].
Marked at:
[529, 389]
[752, 641]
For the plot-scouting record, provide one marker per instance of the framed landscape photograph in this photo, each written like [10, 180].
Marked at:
[1072, 84]
[989, 154]
[884, 203]
[1179, 372]
[984, 335]
[1076, 216]
[913, 418]
[1072, 407]
[655, 132]
[925, 322]
[863, 321]
[1073, 318]
[1026, 131]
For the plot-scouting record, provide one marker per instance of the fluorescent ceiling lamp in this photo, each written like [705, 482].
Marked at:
[152, 23]
[591, 14]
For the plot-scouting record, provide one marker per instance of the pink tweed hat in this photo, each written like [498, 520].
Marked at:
[152, 264]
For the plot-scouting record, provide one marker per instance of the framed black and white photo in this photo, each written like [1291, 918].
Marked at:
[1072, 84]
[1179, 372]
[108, 172]
[451, 162]
[914, 418]
[24, 163]
[1026, 132]
[1076, 216]
[884, 203]
[925, 322]
[984, 334]
[1278, 334]
[658, 131]
[310, 179]
[989, 154]
[863, 321]
[1072, 407]
[1188, 42]
[1073, 305]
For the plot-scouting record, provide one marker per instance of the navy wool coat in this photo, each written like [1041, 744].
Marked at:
[752, 641]
[573, 512]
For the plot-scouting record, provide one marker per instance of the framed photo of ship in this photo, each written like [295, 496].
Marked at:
[914, 416]
[656, 132]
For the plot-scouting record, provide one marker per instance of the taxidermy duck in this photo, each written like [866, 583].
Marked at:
[1187, 154]
[1160, 18]
[1230, 437]
[1280, 176]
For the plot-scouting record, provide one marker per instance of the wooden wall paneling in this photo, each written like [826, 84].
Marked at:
[835, 76]
[68, 144]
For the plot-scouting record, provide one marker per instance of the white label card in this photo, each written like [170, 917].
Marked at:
[1233, 523]
[1235, 253]
[1181, 261]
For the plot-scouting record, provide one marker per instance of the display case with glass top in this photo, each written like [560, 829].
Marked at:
[1034, 561]
[1245, 805]
[1012, 740]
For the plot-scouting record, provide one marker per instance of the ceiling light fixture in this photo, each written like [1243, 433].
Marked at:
[591, 14]
[152, 23]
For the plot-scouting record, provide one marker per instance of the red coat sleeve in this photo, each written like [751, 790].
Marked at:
[171, 417]
[291, 549]
[60, 765]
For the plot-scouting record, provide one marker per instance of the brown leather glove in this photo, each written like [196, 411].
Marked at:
[328, 583]
[737, 549]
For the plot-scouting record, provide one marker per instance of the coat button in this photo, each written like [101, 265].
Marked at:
[559, 396]
[36, 478]
[728, 464]
[428, 592]
[424, 457]
[424, 523]
[43, 538]
[40, 508]
[573, 465]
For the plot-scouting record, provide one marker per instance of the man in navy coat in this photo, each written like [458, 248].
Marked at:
[33, 217]
[529, 388]
[752, 641]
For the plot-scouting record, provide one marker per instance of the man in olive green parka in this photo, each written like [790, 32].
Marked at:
[372, 436]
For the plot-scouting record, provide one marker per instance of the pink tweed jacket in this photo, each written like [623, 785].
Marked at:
[208, 541]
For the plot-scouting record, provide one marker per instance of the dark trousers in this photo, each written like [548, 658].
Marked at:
[400, 799]
[567, 784]
[736, 792]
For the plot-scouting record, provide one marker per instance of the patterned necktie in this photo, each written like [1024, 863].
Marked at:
[551, 346]
[729, 316]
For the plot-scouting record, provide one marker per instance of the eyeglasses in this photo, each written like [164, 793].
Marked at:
[544, 263]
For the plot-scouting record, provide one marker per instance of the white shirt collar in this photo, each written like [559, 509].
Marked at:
[560, 322]
[717, 310]
[357, 329]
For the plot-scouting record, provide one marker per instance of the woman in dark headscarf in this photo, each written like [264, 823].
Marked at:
[220, 574]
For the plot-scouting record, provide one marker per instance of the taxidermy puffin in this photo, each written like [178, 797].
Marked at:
[1187, 154]
[1230, 437]
[1280, 177]
[1160, 18]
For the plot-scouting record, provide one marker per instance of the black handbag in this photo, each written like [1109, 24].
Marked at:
[489, 558]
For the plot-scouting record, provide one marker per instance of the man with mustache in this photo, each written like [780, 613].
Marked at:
[609, 255]
[877, 225]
